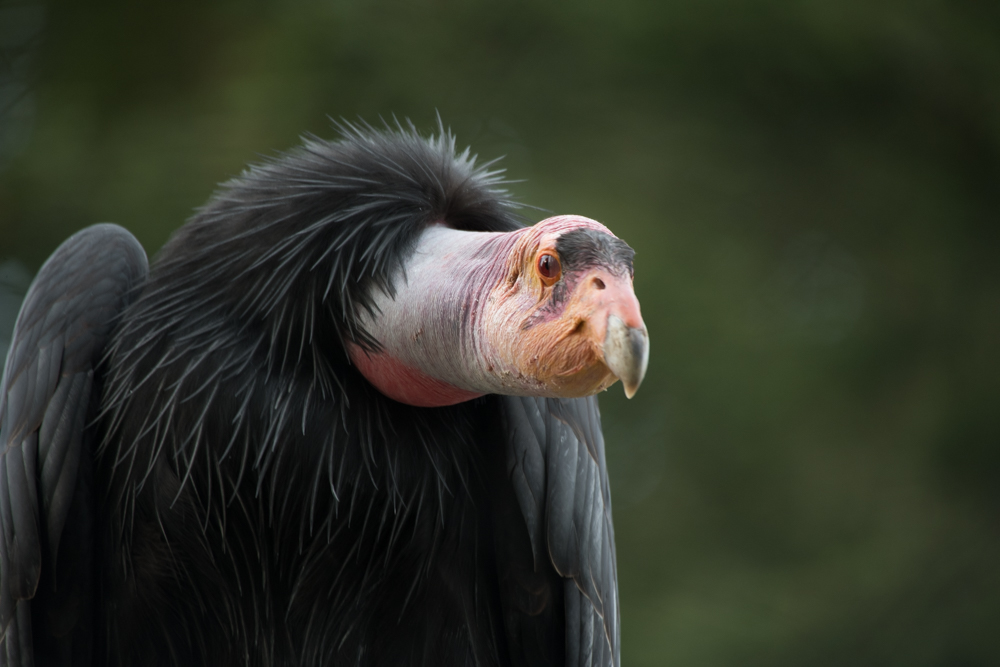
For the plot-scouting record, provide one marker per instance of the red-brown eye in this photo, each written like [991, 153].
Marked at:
[548, 268]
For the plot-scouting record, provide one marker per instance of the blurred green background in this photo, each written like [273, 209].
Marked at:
[810, 474]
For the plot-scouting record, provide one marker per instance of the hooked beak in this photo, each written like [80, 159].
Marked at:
[626, 353]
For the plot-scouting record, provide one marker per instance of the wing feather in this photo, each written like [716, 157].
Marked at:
[61, 331]
[556, 465]
[526, 463]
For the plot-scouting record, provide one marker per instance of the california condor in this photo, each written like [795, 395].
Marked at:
[345, 418]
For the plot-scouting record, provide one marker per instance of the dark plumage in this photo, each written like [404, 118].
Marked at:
[242, 494]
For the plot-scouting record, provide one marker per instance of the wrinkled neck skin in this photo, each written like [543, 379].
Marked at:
[446, 335]
[432, 351]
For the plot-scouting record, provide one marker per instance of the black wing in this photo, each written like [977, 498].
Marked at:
[45, 508]
[559, 579]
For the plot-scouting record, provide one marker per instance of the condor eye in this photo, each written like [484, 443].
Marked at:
[548, 268]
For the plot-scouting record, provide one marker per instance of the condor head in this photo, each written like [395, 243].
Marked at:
[547, 310]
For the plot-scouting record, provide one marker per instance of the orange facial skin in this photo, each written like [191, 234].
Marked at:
[550, 330]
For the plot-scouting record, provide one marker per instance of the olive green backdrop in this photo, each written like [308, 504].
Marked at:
[810, 474]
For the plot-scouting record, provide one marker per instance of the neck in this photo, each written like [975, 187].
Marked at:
[433, 351]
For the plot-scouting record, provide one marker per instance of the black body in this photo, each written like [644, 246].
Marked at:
[238, 494]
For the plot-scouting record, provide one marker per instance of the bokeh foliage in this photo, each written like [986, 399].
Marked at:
[811, 473]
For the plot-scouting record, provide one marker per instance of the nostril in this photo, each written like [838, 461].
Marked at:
[598, 283]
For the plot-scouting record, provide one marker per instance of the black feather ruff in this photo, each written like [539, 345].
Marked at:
[265, 504]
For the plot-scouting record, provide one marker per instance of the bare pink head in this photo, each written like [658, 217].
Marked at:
[547, 310]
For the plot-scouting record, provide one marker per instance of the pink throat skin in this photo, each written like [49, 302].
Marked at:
[434, 333]
[407, 384]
